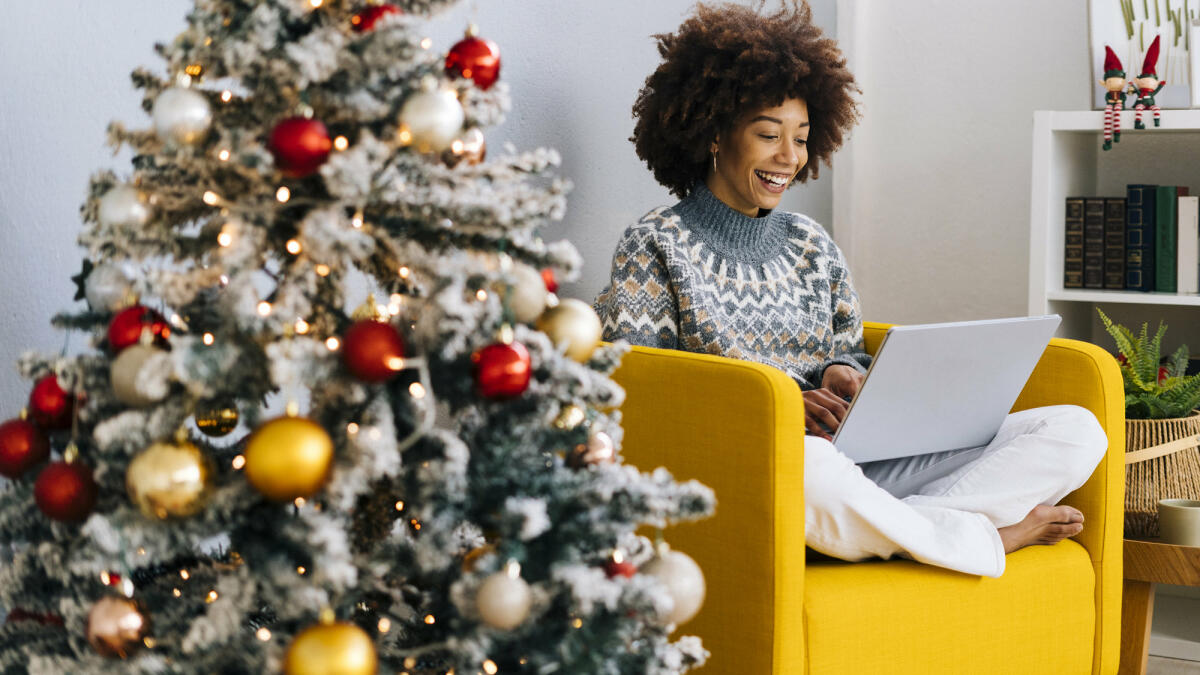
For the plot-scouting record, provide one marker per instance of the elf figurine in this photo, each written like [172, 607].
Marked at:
[1147, 86]
[1114, 100]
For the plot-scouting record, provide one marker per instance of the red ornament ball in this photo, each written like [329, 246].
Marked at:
[548, 278]
[50, 406]
[476, 59]
[373, 350]
[65, 491]
[300, 146]
[366, 18]
[127, 326]
[22, 445]
[502, 370]
[623, 568]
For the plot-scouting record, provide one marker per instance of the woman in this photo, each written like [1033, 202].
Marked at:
[743, 106]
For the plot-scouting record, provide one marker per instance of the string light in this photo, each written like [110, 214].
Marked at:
[225, 238]
[426, 43]
[457, 146]
[417, 526]
[490, 668]
[264, 308]
[481, 295]
[299, 502]
[293, 246]
[226, 96]
[183, 574]
[404, 136]
[357, 221]
[263, 634]
[300, 570]
[429, 619]
[194, 69]
[332, 344]
[385, 625]
[141, 551]
[149, 642]
[211, 198]
[176, 592]
[283, 194]
[208, 339]
[323, 270]
[211, 597]
[316, 3]
[400, 505]
[301, 326]
[352, 428]
[341, 143]
[404, 272]
[223, 155]
[577, 623]
[224, 280]
[416, 390]
[239, 461]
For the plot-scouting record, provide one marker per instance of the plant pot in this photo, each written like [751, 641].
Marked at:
[1162, 461]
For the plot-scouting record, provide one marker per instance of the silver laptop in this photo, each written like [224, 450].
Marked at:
[944, 386]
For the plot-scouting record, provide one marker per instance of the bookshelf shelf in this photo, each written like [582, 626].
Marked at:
[1068, 162]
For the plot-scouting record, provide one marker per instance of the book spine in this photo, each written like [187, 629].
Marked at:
[1187, 267]
[1093, 243]
[1073, 253]
[1164, 238]
[1139, 237]
[1114, 243]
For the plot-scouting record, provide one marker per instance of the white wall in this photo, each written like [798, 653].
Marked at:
[933, 190]
[574, 67]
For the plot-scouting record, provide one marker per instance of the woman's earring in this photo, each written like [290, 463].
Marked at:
[714, 155]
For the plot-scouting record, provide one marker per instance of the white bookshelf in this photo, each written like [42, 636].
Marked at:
[1068, 162]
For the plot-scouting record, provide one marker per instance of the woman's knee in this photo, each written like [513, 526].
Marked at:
[1080, 426]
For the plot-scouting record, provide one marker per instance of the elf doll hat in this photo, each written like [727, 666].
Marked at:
[1112, 65]
[1151, 62]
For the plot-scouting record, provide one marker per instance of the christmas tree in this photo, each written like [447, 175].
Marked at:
[333, 418]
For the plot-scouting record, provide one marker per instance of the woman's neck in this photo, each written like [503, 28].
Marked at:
[728, 196]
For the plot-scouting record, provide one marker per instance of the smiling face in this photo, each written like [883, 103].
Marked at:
[760, 156]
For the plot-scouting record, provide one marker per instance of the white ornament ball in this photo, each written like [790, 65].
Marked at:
[123, 205]
[503, 600]
[684, 581]
[137, 375]
[181, 116]
[572, 323]
[107, 288]
[528, 294]
[432, 118]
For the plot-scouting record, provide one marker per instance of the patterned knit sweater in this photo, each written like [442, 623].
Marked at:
[702, 277]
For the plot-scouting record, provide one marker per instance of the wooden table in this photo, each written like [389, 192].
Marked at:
[1149, 562]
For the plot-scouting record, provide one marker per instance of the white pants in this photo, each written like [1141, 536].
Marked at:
[944, 508]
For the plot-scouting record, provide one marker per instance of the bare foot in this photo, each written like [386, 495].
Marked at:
[1044, 525]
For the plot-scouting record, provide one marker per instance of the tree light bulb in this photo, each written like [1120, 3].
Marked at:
[211, 198]
[293, 246]
[357, 220]
[301, 326]
[430, 620]
[322, 270]
[404, 272]
[263, 634]
[225, 239]
[332, 344]
[226, 96]
[239, 461]
[264, 308]
[426, 43]
[283, 194]
[384, 625]
[223, 155]
[208, 339]
[490, 667]
[416, 390]
[341, 143]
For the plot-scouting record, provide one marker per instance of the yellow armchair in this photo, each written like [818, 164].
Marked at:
[738, 427]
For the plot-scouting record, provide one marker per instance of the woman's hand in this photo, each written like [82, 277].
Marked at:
[842, 380]
[823, 410]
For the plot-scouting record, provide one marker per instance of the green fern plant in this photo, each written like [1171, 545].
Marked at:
[1153, 390]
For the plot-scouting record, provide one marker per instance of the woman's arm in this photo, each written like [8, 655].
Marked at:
[848, 347]
[639, 303]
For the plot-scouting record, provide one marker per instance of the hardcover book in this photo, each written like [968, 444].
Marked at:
[1187, 265]
[1140, 201]
[1093, 242]
[1165, 233]
[1073, 253]
[1114, 243]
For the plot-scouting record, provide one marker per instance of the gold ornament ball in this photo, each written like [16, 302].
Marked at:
[216, 419]
[569, 417]
[331, 649]
[169, 479]
[599, 449]
[575, 323]
[288, 457]
[116, 627]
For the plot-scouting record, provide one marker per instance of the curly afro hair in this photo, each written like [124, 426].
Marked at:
[726, 62]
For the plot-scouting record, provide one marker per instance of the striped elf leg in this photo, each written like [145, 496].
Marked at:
[1108, 127]
[1137, 116]
[1157, 113]
[1117, 121]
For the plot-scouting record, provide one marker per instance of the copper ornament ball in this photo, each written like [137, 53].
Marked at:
[116, 627]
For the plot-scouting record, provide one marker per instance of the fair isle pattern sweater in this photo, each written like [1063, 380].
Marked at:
[702, 277]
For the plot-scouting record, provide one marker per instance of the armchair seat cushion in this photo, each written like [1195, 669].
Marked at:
[899, 616]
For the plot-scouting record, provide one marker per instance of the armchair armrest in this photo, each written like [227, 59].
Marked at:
[738, 427]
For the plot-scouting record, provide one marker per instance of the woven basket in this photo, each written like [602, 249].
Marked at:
[1162, 461]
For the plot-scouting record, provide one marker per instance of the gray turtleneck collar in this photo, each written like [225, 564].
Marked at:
[730, 232]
